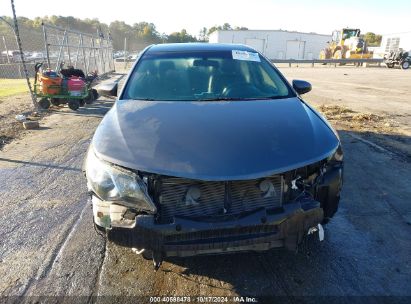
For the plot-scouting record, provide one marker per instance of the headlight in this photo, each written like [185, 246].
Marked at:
[112, 183]
[337, 156]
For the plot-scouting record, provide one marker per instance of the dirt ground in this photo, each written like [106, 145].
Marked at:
[11, 106]
[373, 101]
[48, 246]
[16, 104]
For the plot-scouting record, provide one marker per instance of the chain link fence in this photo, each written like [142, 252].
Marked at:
[80, 50]
[52, 46]
[10, 58]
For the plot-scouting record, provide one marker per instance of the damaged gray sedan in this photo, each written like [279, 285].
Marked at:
[209, 150]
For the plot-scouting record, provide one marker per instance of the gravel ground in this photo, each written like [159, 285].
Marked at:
[48, 246]
[11, 106]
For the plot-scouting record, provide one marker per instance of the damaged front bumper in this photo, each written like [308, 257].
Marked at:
[260, 230]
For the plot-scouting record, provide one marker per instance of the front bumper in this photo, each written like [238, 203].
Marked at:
[257, 231]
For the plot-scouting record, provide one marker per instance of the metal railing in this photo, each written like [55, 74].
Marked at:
[328, 61]
[52, 45]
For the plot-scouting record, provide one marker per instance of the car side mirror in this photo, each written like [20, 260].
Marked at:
[301, 86]
[108, 89]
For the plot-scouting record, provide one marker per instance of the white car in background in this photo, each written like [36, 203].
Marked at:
[36, 56]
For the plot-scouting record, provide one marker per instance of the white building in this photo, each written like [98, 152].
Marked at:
[394, 42]
[276, 44]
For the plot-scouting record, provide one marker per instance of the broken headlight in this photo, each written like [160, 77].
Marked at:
[116, 184]
[337, 156]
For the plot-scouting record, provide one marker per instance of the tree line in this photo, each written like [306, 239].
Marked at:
[372, 39]
[138, 34]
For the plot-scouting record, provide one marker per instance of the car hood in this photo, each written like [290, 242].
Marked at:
[231, 140]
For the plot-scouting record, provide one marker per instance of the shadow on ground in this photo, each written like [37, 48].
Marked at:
[97, 109]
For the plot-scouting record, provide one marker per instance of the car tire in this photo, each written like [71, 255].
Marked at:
[73, 104]
[55, 102]
[337, 55]
[82, 102]
[90, 97]
[405, 65]
[390, 65]
[95, 94]
[323, 56]
[44, 103]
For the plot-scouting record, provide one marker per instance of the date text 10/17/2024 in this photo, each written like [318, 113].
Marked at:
[203, 299]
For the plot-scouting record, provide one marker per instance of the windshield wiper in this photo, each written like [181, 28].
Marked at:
[145, 99]
[215, 98]
[224, 99]
[273, 97]
[240, 98]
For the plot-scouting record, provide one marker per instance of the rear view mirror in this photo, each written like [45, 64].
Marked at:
[301, 86]
[108, 89]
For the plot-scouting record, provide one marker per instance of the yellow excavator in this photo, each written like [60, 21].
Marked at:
[346, 44]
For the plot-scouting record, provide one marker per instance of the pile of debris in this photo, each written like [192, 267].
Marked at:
[345, 117]
[29, 122]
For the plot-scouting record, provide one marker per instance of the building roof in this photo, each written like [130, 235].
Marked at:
[282, 31]
[399, 33]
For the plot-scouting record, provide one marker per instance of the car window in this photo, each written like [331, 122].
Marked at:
[178, 76]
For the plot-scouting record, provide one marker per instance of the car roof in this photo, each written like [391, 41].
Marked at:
[197, 46]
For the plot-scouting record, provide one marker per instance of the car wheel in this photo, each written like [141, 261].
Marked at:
[73, 104]
[337, 54]
[95, 94]
[44, 103]
[405, 65]
[82, 102]
[390, 65]
[323, 56]
[55, 102]
[90, 97]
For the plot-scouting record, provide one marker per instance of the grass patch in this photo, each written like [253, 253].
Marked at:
[10, 87]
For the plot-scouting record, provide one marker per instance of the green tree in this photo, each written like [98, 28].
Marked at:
[203, 37]
[120, 30]
[372, 39]
[179, 37]
[213, 29]
[225, 27]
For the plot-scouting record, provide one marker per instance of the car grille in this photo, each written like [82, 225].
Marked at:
[234, 197]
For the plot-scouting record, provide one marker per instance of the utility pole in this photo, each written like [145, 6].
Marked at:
[17, 34]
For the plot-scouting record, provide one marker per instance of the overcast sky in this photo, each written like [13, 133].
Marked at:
[321, 16]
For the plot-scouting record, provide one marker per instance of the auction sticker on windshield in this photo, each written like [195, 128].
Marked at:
[244, 55]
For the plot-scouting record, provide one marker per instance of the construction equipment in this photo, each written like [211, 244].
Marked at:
[346, 44]
[403, 59]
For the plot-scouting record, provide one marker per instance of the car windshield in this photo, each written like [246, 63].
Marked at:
[205, 76]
